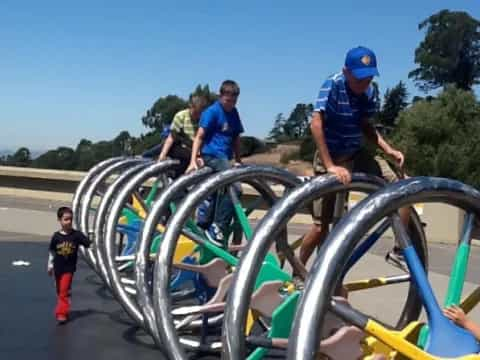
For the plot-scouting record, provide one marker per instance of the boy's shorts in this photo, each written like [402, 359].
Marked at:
[362, 161]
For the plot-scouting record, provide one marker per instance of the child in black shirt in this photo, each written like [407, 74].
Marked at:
[62, 261]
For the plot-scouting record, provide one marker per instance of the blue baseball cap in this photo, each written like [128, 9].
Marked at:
[361, 62]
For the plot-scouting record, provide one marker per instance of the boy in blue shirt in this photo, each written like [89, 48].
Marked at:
[340, 123]
[218, 141]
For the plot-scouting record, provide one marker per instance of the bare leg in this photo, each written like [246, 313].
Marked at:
[312, 239]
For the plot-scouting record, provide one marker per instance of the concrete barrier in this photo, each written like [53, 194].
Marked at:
[444, 223]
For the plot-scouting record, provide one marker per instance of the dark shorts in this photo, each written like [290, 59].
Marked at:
[362, 161]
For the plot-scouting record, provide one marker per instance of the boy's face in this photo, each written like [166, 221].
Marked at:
[195, 112]
[66, 221]
[358, 86]
[228, 99]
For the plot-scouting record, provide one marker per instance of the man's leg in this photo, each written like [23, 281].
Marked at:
[376, 165]
[312, 239]
[322, 213]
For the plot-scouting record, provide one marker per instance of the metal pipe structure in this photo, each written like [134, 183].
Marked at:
[91, 192]
[330, 262]
[142, 273]
[112, 273]
[79, 191]
[101, 216]
[162, 272]
[262, 240]
[81, 188]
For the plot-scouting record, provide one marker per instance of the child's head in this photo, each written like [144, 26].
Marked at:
[197, 104]
[360, 68]
[229, 92]
[65, 217]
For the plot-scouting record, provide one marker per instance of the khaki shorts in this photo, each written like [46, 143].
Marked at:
[362, 161]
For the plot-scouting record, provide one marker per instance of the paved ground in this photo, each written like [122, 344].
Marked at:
[99, 328]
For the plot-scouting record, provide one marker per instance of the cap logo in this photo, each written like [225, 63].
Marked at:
[366, 60]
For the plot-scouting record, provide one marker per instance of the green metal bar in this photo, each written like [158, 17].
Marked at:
[457, 274]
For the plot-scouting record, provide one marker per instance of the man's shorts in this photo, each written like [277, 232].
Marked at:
[362, 161]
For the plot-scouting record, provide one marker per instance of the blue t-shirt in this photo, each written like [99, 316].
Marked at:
[343, 112]
[221, 128]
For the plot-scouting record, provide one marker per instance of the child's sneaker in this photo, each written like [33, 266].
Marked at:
[61, 319]
[215, 235]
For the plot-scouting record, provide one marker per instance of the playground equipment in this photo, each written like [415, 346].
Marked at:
[445, 339]
[191, 294]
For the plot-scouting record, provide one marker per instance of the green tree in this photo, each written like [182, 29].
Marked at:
[205, 91]
[394, 101]
[296, 125]
[66, 158]
[122, 144]
[84, 153]
[438, 136]
[22, 157]
[449, 53]
[277, 132]
[163, 111]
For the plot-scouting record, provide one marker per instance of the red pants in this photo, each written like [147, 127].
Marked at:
[63, 284]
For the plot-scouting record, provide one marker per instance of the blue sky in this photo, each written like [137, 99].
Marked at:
[89, 69]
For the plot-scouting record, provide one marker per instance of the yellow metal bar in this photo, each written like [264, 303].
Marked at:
[471, 300]
[396, 342]
[365, 284]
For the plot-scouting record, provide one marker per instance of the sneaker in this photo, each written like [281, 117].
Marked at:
[215, 235]
[61, 319]
[396, 258]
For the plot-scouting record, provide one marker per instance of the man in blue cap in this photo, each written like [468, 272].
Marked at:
[340, 123]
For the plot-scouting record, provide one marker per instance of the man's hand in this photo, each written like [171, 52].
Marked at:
[397, 156]
[50, 272]
[342, 174]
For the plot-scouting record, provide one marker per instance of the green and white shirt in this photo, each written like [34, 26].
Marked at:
[182, 122]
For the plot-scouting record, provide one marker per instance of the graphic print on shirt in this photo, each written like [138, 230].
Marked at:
[65, 249]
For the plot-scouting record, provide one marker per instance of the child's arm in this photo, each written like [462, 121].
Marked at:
[51, 255]
[83, 240]
[316, 126]
[166, 147]
[457, 315]
[50, 263]
[375, 138]
[197, 145]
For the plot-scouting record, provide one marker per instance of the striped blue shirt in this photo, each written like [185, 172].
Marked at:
[343, 112]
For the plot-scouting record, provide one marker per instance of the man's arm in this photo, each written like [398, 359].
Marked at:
[236, 150]
[318, 135]
[166, 147]
[316, 126]
[197, 145]
[375, 138]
